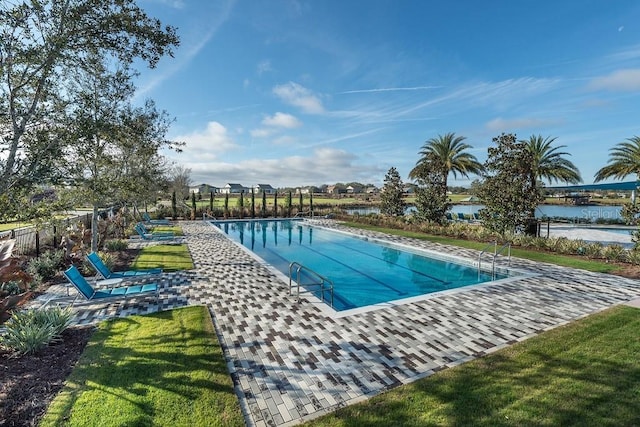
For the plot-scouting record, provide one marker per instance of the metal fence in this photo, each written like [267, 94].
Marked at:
[31, 241]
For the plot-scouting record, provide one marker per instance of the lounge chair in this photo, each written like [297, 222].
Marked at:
[74, 276]
[147, 219]
[461, 217]
[146, 235]
[102, 269]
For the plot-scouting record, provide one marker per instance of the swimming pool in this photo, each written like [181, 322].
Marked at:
[364, 272]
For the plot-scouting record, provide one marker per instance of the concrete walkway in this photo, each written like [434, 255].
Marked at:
[291, 362]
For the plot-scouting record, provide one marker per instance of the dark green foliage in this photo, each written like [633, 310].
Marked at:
[391, 197]
[253, 204]
[507, 191]
[211, 202]
[289, 203]
[264, 204]
[432, 203]
[193, 205]
[241, 204]
[174, 206]
[630, 213]
[300, 208]
[275, 205]
[226, 205]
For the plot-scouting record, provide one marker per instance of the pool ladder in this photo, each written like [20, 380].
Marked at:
[495, 254]
[324, 283]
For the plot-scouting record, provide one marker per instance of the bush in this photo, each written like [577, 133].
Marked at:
[614, 253]
[46, 266]
[31, 330]
[10, 288]
[115, 245]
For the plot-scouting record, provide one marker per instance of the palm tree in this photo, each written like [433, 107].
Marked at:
[550, 164]
[449, 151]
[624, 159]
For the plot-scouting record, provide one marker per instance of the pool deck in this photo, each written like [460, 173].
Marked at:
[292, 362]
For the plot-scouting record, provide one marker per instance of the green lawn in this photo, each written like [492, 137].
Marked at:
[584, 374]
[538, 256]
[164, 369]
[167, 257]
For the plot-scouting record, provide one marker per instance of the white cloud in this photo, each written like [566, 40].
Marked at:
[299, 96]
[507, 125]
[213, 140]
[264, 66]
[261, 133]
[621, 80]
[282, 120]
[322, 166]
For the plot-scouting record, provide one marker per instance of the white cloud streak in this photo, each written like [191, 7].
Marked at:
[390, 89]
[618, 81]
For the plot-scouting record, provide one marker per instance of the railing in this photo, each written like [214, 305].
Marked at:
[303, 213]
[495, 254]
[324, 283]
[206, 215]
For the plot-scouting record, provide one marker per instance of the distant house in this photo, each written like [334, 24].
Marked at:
[354, 189]
[231, 188]
[304, 190]
[203, 189]
[264, 188]
[372, 190]
[334, 189]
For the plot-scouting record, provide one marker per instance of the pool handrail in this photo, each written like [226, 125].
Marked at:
[322, 282]
[495, 254]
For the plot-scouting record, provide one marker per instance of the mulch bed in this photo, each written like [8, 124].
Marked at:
[28, 383]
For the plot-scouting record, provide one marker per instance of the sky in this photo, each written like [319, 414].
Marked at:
[295, 93]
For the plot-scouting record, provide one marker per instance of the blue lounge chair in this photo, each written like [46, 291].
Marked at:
[147, 219]
[146, 235]
[102, 269]
[74, 276]
[461, 217]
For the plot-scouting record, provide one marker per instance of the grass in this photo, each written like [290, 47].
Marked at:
[167, 257]
[164, 369]
[583, 374]
[538, 256]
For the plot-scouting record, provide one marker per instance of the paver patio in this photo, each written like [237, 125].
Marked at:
[291, 362]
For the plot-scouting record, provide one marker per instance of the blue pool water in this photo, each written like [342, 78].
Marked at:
[363, 272]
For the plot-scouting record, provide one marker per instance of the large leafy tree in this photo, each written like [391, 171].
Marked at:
[391, 198]
[440, 157]
[507, 191]
[432, 202]
[112, 147]
[41, 43]
[624, 160]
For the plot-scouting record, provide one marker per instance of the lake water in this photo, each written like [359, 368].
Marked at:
[589, 213]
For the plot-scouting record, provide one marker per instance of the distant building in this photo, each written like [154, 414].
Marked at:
[231, 188]
[203, 189]
[264, 188]
[334, 189]
[354, 189]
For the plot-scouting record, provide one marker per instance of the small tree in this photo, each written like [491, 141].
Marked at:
[391, 197]
[193, 205]
[264, 204]
[289, 203]
[301, 207]
[432, 202]
[226, 205]
[311, 202]
[507, 191]
[174, 206]
[253, 204]
[241, 204]
[211, 203]
[275, 205]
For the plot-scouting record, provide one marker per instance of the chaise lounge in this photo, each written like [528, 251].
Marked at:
[104, 271]
[85, 289]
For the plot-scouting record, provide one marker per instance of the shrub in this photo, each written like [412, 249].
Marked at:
[593, 250]
[45, 266]
[614, 253]
[10, 288]
[115, 245]
[633, 257]
[31, 330]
